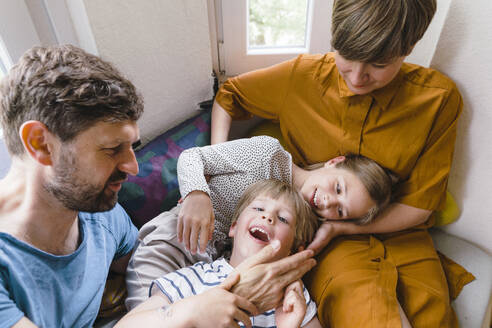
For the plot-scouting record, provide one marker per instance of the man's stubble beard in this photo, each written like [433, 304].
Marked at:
[76, 193]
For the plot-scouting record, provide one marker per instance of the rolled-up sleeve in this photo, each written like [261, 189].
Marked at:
[261, 92]
[426, 186]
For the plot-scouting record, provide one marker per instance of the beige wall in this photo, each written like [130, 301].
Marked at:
[463, 53]
[163, 46]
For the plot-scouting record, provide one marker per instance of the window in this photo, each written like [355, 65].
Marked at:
[278, 26]
[259, 33]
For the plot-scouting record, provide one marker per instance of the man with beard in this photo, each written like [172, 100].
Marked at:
[69, 121]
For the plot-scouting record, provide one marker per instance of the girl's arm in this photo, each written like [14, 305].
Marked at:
[242, 155]
[396, 217]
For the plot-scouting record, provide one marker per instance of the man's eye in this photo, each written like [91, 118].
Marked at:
[111, 151]
[339, 189]
[379, 65]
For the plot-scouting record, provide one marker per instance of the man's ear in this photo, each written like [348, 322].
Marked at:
[36, 140]
[232, 229]
[335, 160]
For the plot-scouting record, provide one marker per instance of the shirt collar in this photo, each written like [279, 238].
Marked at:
[343, 88]
[382, 96]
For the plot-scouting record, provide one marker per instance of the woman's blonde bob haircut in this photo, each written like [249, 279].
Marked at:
[378, 31]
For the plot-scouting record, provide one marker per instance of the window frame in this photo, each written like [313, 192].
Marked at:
[235, 58]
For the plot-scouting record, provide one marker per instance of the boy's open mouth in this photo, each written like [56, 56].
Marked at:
[259, 233]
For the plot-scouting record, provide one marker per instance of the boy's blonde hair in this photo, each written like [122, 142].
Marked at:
[377, 31]
[306, 220]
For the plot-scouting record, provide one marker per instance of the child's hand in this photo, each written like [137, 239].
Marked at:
[195, 221]
[293, 308]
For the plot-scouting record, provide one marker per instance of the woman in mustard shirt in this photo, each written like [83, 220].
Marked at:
[364, 99]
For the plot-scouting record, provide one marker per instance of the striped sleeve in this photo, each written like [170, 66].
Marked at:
[192, 280]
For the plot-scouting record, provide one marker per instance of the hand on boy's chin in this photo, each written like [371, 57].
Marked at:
[263, 278]
[278, 251]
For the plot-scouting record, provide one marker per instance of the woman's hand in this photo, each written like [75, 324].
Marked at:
[325, 233]
[293, 308]
[195, 221]
[263, 283]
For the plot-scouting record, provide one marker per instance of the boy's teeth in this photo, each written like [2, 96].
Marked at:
[259, 233]
[315, 200]
[255, 229]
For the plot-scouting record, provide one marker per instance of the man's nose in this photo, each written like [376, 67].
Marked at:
[129, 163]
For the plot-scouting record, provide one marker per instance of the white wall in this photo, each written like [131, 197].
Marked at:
[16, 37]
[162, 46]
[464, 54]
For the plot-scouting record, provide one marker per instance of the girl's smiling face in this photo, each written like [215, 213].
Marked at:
[335, 193]
[264, 220]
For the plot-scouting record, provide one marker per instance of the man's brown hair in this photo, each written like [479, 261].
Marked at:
[377, 31]
[68, 90]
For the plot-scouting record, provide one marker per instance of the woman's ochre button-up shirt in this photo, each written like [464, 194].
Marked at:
[408, 126]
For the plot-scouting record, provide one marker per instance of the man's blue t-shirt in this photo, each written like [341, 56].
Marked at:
[62, 291]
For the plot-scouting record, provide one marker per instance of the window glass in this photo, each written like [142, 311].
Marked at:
[277, 23]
